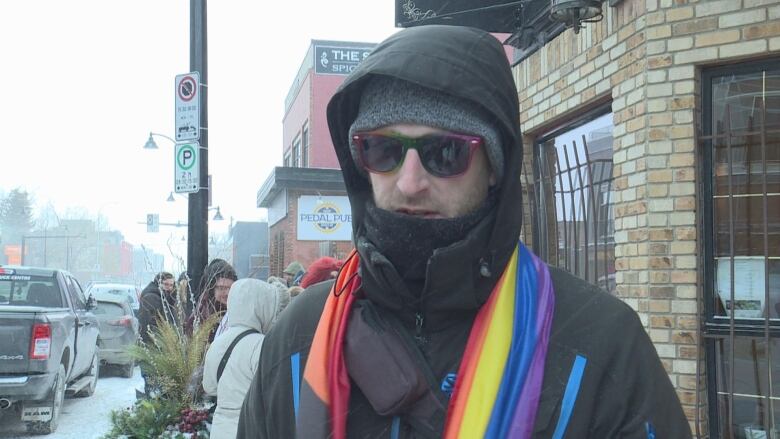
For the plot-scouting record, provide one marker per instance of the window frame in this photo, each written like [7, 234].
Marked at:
[715, 329]
[599, 110]
[296, 151]
[305, 145]
[712, 325]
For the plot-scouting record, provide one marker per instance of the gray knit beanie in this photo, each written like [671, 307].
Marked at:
[386, 101]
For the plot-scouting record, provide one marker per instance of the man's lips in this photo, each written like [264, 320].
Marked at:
[419, 212]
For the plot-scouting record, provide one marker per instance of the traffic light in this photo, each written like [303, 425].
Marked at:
[152, 223]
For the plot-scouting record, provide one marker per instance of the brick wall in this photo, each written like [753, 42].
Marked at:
[646, 56]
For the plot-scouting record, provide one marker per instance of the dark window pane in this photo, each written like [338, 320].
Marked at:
[754, 366]
[739, 101]
[745, 218]
[746, 165]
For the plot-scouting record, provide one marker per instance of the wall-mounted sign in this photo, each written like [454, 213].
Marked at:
[324, 218]
[491, 15]
[335, 60]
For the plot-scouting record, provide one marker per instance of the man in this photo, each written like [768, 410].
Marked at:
[442, 324]
[214, 288]
[293, 273]
[158, 301]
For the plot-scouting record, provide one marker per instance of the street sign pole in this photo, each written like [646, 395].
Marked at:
[197, 231]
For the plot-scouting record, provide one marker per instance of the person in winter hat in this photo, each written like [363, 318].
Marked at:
[320, 270]
[158, 301]
[293, 273]
[213, 292]
[254, 306]
[441, 323]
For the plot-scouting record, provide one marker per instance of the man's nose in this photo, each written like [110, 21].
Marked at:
[412, 177]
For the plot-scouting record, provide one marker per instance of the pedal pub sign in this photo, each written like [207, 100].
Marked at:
[187, 124]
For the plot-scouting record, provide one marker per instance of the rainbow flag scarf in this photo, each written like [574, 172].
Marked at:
[500, 378]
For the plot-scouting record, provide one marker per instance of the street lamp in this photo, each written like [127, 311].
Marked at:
[217, 216]
[575, 12]
[151, 144]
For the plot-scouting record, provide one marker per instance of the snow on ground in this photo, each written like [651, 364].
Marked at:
[86, 418]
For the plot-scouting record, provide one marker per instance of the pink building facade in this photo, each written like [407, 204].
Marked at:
[306, 138]
[306, 199]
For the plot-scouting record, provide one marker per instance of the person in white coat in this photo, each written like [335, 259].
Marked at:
[253, 305]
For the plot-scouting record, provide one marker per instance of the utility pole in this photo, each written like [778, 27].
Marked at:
[197, 232]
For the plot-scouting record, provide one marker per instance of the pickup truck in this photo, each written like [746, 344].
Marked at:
[48, 344]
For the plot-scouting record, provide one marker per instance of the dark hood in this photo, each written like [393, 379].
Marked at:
[470, 64]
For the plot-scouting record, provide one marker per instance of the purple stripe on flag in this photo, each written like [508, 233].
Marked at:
[525, 412]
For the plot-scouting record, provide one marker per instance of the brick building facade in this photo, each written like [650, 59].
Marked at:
[653, 71]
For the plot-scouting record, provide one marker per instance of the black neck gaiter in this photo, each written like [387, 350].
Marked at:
[408, 242]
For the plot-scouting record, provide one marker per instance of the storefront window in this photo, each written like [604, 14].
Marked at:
[740, 152]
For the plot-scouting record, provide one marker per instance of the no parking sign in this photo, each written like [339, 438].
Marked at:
[187, 168]
[187, 106]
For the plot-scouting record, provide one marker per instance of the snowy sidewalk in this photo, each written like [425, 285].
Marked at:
[86, 418]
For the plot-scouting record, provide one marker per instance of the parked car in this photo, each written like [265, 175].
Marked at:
[48, 344]
[118, 331]
[122, 290]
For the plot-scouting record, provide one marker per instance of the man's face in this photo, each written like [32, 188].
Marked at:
[287, 278]
[412, 190]
[221, 290]
[167, 285]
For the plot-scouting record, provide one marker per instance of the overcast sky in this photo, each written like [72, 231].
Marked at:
[84, 81]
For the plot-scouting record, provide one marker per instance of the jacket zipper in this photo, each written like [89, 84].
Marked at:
[419, 320]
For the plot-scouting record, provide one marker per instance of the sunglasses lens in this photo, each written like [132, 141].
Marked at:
[380, 153]
[445, 156]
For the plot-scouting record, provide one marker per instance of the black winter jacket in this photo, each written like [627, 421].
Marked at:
[622, 390]
[152, 306]
[623, 393]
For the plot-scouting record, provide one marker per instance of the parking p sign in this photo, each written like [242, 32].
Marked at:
[187, 170]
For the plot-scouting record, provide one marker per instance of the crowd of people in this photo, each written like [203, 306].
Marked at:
[248, 308]
[441, 322]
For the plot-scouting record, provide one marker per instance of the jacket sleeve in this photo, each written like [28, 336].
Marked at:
[637, 399]
[251, 421]
[210, 372]
[147, 317]
[269, 405]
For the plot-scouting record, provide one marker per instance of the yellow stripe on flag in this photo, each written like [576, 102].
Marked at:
[492, 361]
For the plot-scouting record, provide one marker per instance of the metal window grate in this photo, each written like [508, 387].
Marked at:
[569, 192]
[740, 217]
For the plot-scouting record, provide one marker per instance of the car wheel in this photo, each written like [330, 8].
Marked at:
[127, 370]
[56, 400]
[94, 370]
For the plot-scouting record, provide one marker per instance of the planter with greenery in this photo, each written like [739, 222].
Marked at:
[172, 363]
